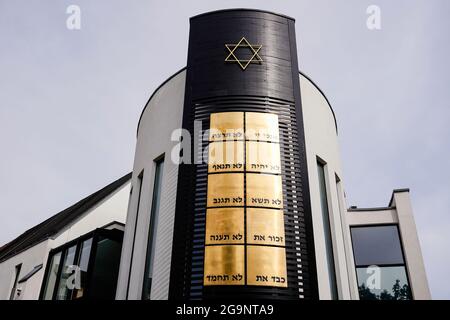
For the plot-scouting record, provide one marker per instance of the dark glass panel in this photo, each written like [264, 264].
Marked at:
[377, 245]
[105, 270]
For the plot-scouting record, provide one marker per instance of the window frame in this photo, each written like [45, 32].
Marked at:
[154, 213]
[140, 184]
[95, 235]
[326, 218]
[404, 264]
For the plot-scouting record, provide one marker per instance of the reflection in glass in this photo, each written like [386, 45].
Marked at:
[65, 279]
[383, 283]
[83, 262]
[376, 245]
[51, 277]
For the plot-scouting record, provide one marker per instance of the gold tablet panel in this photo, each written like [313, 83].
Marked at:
[224, 265]
[265, 226]
[224, 226]
[266, 266]
[225, 190]
[263, 157]
[226, 126]
[261, 126]
[226, 156]
[264, 190]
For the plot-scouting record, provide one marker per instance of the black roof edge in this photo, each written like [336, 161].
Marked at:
[112, 223]
[397, 191]
[389, 207]
[52, 225]
[184, 68]
[240, 9]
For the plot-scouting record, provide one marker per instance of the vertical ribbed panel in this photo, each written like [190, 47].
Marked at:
[296, 244]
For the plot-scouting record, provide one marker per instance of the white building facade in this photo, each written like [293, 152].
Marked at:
[23, 261]
[275, 228]
[334, 252]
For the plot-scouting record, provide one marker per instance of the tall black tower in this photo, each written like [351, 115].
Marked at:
[243, 226]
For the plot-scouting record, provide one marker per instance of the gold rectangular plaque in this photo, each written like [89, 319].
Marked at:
[261, 126]
[224, 265]
[226, 126]
[225, 190]
[265, 226]
[226, 156]
[266, 266]
[224, 226]
[263, 157]
[264, 190]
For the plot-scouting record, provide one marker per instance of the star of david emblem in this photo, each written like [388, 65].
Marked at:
[243, 43]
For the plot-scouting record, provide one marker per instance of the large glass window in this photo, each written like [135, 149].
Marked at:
[152, 229]
[83, 263]
[106, 269]
[327, 230]
[86, 268]
[380, 267]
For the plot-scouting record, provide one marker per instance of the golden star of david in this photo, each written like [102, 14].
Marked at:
[243, 43]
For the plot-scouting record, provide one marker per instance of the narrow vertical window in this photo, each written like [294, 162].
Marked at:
[16, 279]
[327, 230]
[140, 179]
[148, 275]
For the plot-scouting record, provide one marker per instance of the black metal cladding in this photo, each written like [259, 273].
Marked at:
[213, 85]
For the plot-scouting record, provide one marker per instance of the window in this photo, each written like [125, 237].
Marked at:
[380, 267]
[156, 198]
[327, 230]
[52, 276]
[83, 261]
[376, 245]
[16, 279]
[106, 268]
[85, 268]
[65, 283]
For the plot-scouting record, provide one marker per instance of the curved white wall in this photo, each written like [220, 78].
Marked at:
[161, 117]
[322, 142]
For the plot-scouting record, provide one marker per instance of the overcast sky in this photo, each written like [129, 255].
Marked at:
[70, 100]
